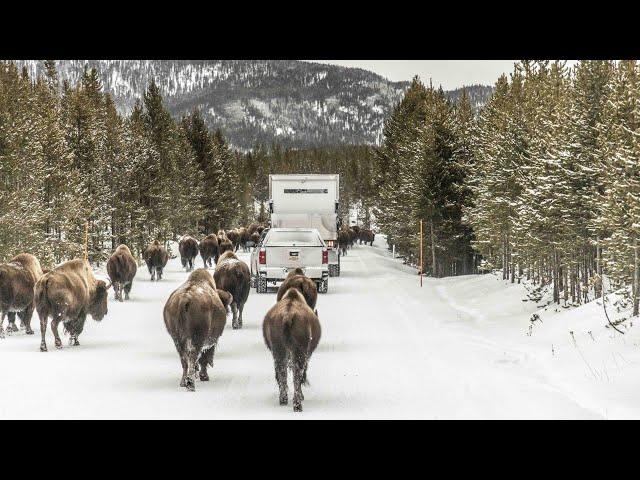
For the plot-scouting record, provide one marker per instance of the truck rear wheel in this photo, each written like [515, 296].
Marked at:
[323, 286]
[262, 285]
[334, 270]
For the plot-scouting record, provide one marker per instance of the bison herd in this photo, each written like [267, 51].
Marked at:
[195, 314]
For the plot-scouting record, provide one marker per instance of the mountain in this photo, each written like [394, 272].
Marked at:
[298, 104]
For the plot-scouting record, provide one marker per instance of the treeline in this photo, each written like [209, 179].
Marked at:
[68, 158]
[547, 176]
[421, 174]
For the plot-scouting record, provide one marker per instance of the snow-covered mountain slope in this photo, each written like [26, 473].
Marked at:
[296, 103]
[457, 348]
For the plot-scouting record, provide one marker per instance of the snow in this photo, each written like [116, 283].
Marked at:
[457, 348]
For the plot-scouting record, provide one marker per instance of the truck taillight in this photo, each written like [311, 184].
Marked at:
[325, 256]
[262, 257]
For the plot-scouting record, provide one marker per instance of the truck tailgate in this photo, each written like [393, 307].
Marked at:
[292, 257]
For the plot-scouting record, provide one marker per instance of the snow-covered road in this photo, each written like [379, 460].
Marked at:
[388, 350]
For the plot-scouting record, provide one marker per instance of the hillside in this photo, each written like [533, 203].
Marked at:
[296, 103]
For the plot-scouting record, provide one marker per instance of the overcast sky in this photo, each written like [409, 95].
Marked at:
[448, 73]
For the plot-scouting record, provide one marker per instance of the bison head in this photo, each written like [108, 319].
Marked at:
[98, 307]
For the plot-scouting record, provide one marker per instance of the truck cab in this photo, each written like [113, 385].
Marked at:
[308, 201]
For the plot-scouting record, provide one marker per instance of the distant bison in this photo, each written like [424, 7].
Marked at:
[209, 249]
[297, 279]
[352, 236]
[225, 245]
[234, 237]
[255, 238]
[253, 228]
[188, 247]
[122, 268]
[195, 316]
[233, 276]
[243, 238]
[156, 257]
[17, 280]
[367, 236]
[344, 241]
[291, 331]
[67, 294]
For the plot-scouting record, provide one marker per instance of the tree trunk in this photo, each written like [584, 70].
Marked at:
[433, 250]
[636, 278]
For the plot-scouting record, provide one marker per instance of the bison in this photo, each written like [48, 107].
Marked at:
[243, 238]
[156, 257]
[291, 332]
[253, 228]
[233, 276]
[188, 247]
[67, 294]
[344, 241]
[195, 315]
[234, 237]
[209, 249]
[122, 267]
[17, 280]
[367, 236]
[224, 246]
[255, 239]
[297, 279]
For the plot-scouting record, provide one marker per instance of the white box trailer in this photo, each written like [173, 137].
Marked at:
[308, 201]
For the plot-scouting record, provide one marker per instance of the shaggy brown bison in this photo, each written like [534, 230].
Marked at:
[344, 240]
[367, 236]
[188, 247]
[291, 331]
[307, 287]
[255, 239]
[243, 238]
[353, 236]
[67, 294]
[195, 316]
[122, 267]
[225, 246]
[253, 228]
[232, 275]
[156, 257]
[209, 249]
[234, 237]
[17, 279]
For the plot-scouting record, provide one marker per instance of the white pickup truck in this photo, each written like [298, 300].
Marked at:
[284, 249]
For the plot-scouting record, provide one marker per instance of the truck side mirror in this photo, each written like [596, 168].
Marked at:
[270, 206]
[337, 205]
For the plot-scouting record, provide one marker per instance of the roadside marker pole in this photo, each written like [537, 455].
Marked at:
[420, 271]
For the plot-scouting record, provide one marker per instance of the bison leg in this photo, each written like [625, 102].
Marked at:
[11, 326]
[280, 364]
[206, 359]
[54, 330]
[190, 355]
[25, 318]
[76, 329]
[44, 315]
[234, 309]
[117, 291]
[159, 273]
[299, 366]
[127, 289]
[240, 308]
[2, 323]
